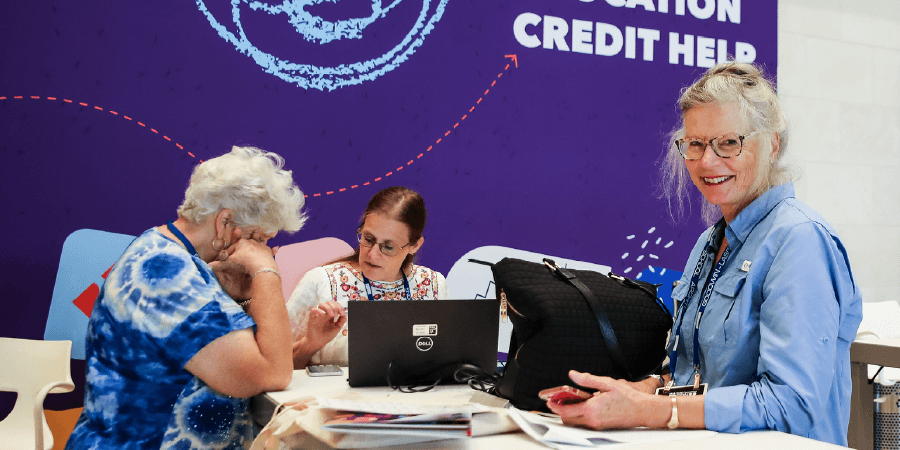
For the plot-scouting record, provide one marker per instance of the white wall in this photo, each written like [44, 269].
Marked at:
[839, 81]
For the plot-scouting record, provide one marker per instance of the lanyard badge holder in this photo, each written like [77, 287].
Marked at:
[696, 388]
[670, 390]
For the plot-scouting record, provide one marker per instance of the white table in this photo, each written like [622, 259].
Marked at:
[263, 405]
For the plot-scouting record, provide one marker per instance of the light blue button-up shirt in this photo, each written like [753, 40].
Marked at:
[775, 336]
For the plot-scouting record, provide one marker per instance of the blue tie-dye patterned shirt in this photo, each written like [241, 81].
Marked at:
[158, 307]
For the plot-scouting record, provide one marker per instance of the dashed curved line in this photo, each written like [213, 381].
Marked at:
[100, 108]
[430, 147]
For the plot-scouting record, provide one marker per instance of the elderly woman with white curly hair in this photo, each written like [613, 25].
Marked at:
[173, 353]
[768, 305]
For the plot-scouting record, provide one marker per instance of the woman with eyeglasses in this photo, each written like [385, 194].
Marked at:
[381, 268]
[768, 306]
[175, 346]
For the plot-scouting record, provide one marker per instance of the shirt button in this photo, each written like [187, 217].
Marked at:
[825, 340]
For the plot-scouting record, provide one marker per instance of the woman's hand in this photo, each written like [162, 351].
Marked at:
[324, 323]
[648, 385]
[233, 278]
[251, 254]
[243, 258]
[616, 404]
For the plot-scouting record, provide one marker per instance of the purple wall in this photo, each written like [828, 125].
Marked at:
[558, 156]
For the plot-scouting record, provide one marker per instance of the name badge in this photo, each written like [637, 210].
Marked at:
[686, 391]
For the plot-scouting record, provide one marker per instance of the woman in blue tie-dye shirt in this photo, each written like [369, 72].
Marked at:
[175, 346]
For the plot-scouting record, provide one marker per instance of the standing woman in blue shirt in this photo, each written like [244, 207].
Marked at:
[769, 284]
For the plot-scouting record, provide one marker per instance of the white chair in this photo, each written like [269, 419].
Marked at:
[33, 369]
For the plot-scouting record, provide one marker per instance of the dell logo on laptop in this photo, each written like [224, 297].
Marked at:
[424, 344]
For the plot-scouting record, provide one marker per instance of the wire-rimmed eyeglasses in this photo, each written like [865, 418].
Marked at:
[726, 146]
[388, 248]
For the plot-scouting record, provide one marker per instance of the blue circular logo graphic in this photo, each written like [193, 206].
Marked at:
[255, 18]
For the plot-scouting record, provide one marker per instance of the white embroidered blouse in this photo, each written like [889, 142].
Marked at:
[342, 283]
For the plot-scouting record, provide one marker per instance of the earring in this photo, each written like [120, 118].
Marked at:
[218, 244]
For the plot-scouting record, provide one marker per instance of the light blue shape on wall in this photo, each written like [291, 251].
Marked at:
[319, 30]
[86, 256]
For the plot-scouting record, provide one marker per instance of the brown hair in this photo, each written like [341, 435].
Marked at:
[403, 205]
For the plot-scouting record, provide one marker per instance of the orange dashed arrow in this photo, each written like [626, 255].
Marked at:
[98, 108]
[515, 62]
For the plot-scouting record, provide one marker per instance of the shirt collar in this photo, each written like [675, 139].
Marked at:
[749, 217]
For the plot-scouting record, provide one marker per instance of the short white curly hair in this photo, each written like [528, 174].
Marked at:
[252, 184]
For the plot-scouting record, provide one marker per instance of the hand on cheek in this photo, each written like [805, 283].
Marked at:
[231, 241]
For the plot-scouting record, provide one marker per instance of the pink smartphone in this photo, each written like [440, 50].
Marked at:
[564, 395]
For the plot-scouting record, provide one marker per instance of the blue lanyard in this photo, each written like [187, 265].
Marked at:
[372, 296]
[704, 301]
[184, 240]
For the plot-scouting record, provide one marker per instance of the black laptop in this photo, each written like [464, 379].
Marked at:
[414, 342]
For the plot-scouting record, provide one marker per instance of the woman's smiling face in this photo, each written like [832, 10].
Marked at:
[725, 182]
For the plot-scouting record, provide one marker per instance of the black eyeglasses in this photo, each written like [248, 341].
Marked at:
[388, 248]
[727, 146]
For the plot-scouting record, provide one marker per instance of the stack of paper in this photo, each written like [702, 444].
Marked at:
[442, 425]
[375, 423]
[550, 431]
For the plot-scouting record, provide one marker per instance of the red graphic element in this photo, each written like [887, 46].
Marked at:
[98, 108]
[85, 300]
[515, 61]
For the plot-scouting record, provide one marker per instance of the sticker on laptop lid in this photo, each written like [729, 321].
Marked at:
[425, 330]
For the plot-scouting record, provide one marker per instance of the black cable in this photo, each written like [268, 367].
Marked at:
[872, 380]
[411, 388]
[476, 377]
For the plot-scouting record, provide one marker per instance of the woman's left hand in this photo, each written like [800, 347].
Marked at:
[238, 262]
[616, 404]
[251, 254]
[234, 279]
[324, 323]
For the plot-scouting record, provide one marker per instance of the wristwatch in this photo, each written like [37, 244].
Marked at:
[662, 382]
[673, 422]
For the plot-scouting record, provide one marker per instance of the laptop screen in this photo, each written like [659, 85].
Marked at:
[414, 341]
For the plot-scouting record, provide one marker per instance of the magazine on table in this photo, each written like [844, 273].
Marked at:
[449, 425]
[444, 421]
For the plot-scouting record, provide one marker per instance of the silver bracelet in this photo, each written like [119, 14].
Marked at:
[266, 269]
